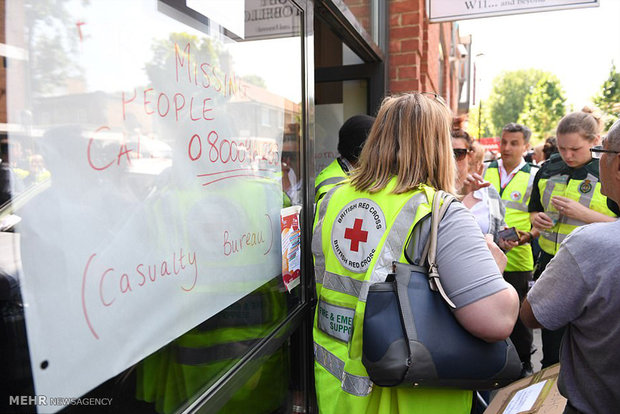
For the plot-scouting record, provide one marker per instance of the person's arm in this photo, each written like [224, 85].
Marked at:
[540, 221]
[558, 296]
[506, 246]
[473, 182]
[487, 306]
[498, 255]
[491, 318]
[535, 204]
[527, 236]
[527, 316]
[571, 208]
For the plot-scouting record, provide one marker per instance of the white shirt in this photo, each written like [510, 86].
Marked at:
[480, 210]
[504, 176]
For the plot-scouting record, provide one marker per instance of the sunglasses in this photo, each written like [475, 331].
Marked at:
[460, 153]
[432, 95]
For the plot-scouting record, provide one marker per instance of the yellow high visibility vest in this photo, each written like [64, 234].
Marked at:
[556, 181]
[327, 179]
[171, 376]
[515, 197]
[356, 238]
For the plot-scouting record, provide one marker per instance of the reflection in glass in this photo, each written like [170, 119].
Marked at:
[335, 103]
[145, 158]
[362, 10]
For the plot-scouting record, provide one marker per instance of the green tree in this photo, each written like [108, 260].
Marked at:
[479, 127]
[52, 42]
[608, 98]
[508, 95]
[255, 80]
[544, 107]
[164, 56]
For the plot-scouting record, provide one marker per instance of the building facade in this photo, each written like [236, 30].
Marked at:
[149, 150]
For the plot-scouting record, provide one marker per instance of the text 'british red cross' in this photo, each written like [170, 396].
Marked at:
[356, 235]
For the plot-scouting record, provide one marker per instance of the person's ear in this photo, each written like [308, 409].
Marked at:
[616, 166]
[598, 140]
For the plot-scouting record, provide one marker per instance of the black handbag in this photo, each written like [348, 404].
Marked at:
[411, 338]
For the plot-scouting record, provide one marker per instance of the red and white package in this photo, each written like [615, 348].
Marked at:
[291, 246]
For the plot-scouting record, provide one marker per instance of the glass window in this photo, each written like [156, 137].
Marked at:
[148, 148]
[365, 13]
[335, 103]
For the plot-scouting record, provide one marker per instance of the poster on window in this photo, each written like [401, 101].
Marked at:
[147, 152]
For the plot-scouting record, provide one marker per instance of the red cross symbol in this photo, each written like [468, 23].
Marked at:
[356, 234]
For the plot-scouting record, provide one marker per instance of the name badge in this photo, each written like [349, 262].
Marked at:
[335, 321]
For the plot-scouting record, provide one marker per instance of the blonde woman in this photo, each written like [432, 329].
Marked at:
[567, 195]
[379, 216]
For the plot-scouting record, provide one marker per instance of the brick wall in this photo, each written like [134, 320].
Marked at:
[406, 45]
[414, 52]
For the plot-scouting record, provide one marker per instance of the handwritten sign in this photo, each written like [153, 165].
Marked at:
[165, 189]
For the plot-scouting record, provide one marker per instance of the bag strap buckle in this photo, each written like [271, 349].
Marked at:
[435, 284]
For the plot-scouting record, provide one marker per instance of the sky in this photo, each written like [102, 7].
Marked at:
[577, 45]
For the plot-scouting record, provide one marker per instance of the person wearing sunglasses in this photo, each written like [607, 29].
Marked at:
[365, 224]
[567, 195]
[579, 289]
[478, 195]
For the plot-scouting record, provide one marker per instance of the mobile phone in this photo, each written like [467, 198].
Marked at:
[509, 234]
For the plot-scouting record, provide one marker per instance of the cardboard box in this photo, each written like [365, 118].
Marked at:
[535, 394]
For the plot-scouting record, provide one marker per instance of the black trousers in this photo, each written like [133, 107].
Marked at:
[551, 340]
[569, 409]
[521, 336]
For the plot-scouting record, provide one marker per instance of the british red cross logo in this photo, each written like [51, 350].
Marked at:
[356, 234]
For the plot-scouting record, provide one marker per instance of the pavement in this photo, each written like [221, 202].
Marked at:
[537, 356]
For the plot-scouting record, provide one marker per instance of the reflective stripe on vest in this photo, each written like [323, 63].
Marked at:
[391, 251]
[340, 293]
[494, 209]
[319, 259]
[213, 353]
[550, 185]
[515, 197]
[549, 240]
[586, 192]
[522, 206]
[331, 175]
[342, 384]
[328, 181]
[346, 284]
[395, 242]
[353, 384]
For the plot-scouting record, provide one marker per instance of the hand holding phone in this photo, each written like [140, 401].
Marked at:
[509, 234]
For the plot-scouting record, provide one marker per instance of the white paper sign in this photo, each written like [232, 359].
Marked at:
[450, 10]
[524, 399]
[165, 193]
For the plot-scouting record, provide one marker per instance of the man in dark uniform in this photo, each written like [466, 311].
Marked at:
[351, 138]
